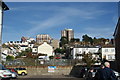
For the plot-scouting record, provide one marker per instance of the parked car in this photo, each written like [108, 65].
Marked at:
[14, 73]
[12, 70]
[4, 73]
[21, 71]
[57, 57]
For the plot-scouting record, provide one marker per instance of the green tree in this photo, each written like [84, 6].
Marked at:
[58, 50]
[9, 58]
[102, 40]
[87, 39]
[75, 40]
[4, 46]
[95, 40]
[27, 52]
[63, 41]
[51, 57]
[88, 59]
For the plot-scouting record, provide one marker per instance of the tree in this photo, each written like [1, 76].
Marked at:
[75, 40]
[63, 41]
[88, 59]
[95, 40]
[58, 50]
[9, 58]
[4, 46]
[27, 52]
[102, 40]
[51, 57]
[87, 39]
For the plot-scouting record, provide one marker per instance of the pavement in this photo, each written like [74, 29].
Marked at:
[47, 77]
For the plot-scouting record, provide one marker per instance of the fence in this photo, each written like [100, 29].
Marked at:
[34, 62]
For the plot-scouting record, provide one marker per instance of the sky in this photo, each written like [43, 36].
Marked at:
[97, 19]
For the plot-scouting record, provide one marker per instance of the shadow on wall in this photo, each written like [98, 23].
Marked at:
[76, 71]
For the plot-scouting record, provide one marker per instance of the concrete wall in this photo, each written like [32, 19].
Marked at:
[60, 70]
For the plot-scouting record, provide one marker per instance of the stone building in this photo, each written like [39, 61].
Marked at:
[43, 38]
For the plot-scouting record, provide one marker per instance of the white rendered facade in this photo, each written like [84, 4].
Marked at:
[81, 51]
[108, 53]
[44, 49]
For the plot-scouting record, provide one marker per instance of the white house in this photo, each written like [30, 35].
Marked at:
[30, 39]
[35, 50]
[7, 51]
[79, 51]
[31, 45]
[44, 48]
[23, 47]
[4, 53]
[16, 43]
[3, 56]
[108, 53]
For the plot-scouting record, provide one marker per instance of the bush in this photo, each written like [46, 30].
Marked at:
[9, 58]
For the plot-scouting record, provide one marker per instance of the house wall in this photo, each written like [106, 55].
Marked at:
[82, 50]
[16, 43]
[76, 51]
[108, 53]
[30, 45]
[23, 48]
[55, 44]
[45, 49]
[34, 50]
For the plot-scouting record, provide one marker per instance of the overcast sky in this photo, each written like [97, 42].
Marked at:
[97, 19]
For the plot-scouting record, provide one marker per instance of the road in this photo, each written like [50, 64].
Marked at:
[47, 77]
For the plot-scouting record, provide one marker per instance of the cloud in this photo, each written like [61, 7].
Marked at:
[42, 18]
[65, 15]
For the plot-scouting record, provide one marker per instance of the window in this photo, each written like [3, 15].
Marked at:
[109, 57]
[77, 50]
[112, 50]
[106, 50]
[35, 49]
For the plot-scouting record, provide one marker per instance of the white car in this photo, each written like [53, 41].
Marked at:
[14, 75]
[5, 74]
[117, 74]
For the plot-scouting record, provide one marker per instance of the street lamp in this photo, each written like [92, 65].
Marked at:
[3, 7]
